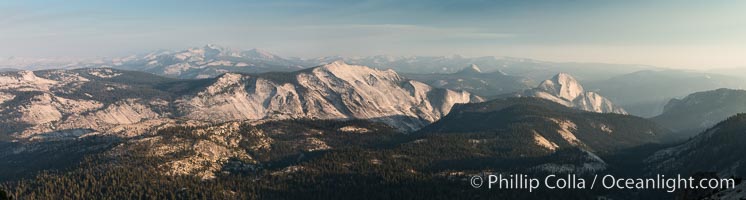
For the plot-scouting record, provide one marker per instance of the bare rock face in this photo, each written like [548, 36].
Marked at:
[565, 90]
[470, 70]
[333, 91]
[215, 146]
[52, 106]
[73, 103]
[6, 97]
[563, 86]
[23, 79]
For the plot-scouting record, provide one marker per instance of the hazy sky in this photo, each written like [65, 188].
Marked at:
[675, 33]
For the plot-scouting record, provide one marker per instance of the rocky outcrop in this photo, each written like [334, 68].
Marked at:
[58, 104]
[71, 103]
[470, 70]
[207, 154]
[565, 90]
[24, 80]
[333, 91]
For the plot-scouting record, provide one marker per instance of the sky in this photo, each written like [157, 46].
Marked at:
[666, 33]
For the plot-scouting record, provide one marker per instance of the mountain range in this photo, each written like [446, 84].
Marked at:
[474, 80]
[638, 89]
[698, 111]
[205, 62]
[60, 103]
[212, 60]
[644, 93]
[217, 123]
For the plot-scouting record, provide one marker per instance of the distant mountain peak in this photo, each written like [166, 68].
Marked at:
[701, 110]
[346, 71]
[564, 76]
[563, 85]
[259, 53]
[213, 46]
[471, 69]
[566, 90]
[338, 62]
